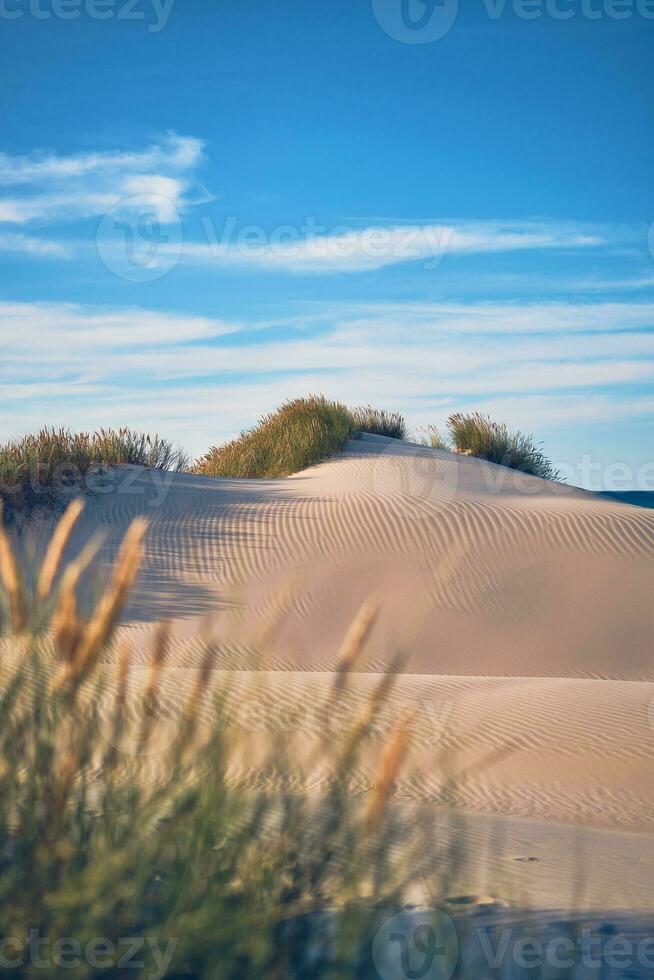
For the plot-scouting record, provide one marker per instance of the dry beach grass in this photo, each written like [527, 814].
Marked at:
[300, 434]
[223, 878]
[36, 468]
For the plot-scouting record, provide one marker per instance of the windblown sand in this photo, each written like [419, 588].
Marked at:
[524, 611]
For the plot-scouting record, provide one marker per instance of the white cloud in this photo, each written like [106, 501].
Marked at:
[37, 247]
[181, 153]
[290, 249]
[50, 207]
[466, 344]
[499, 318]
[64, 335]
[54, 188]
[539, 411]
[62, 189]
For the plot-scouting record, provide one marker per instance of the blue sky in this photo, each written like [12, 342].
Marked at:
[208, 207]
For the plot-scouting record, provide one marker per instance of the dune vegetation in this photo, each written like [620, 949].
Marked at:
[301, 433]
[477, 435]
[432, 436]
[217, 879]
[37, 466]
[379, 422]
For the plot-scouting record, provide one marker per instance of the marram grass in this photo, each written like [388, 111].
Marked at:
[301, 433]
[379, 422]
[209, 878]
[476, 434]
[53, 459]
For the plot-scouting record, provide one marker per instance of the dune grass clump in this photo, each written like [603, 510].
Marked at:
[379, 422]
[112, 446]
[38, 465]
[196, 873]
[476, 434]
[301, 433]
[41, 459]
[433, 437]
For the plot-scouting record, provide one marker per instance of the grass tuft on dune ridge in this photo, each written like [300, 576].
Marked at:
[433, 437]
[379, 422]
[57, 458]
[302, 433]
[476, 434]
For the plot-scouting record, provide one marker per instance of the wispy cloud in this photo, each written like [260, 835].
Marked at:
[497, 318]
[374, 247]
[74, 333]
[174, 153]
[37, 247]
[65, 188]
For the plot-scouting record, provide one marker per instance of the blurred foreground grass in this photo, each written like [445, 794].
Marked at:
[226, 881]
[112, 865]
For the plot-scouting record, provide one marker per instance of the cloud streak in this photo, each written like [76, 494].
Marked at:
[66, 188]
[176, 153]
[74, 333]
[35, 247]
[291, 250]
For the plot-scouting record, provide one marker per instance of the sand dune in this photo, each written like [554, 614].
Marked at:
[479, 570]
[524, 610]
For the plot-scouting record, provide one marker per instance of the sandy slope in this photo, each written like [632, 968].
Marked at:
[526, 610]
